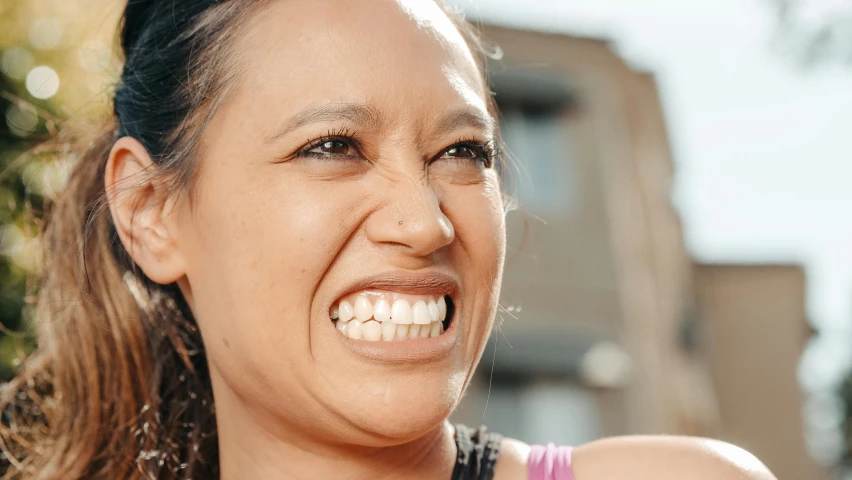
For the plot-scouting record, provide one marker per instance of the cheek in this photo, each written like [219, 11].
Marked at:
[476, 213]
[478, 217]
[262, 241]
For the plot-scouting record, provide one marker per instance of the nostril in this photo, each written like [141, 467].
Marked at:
[396, 244]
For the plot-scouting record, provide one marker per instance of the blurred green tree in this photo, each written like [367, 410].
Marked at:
[815, 32]
[57, 63]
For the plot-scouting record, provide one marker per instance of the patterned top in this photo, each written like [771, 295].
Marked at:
[478, 451]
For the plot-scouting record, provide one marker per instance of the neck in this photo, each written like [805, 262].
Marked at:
[249, 448]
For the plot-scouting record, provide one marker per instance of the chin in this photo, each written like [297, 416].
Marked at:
[404, 411]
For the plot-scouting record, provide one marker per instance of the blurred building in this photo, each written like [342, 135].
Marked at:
[606, 327]
[754, 321]
[597, 264]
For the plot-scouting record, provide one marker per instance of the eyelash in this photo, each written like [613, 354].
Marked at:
[343, 135]
[486, 151]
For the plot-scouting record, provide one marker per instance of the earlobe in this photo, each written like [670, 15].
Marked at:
[139, 204]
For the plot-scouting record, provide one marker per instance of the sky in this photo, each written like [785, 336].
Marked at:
[762, 145]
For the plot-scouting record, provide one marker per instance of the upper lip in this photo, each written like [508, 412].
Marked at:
[423, 283]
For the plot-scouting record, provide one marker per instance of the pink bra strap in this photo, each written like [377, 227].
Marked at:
[550, 463]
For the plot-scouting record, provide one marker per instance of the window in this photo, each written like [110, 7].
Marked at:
[540, 141]
[559, 411]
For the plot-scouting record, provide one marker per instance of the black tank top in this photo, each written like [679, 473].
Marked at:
[477, 455]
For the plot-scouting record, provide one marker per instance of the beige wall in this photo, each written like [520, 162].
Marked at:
[611, 265]
[754, 321]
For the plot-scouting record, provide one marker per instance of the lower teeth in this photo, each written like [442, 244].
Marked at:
[374, 331]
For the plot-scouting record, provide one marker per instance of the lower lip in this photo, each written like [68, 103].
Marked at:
[405, 351]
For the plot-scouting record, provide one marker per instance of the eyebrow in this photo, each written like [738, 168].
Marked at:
[370, 117]
[363, 115]
[461, 118]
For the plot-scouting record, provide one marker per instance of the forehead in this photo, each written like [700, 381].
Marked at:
[380, 52]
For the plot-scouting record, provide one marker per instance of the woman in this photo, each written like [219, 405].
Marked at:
[297, 216]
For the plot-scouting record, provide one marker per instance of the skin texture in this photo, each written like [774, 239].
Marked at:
[267, 240]
[646, 458]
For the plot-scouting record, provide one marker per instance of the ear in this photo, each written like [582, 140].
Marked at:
[143, 211]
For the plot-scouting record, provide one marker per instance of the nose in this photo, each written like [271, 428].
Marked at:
[411, 219]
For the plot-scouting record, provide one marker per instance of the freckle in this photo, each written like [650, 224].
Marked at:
[225, 341]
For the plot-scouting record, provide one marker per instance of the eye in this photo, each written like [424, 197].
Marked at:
[336, 144]
[332, 147]
[471, 150]
[462, 151]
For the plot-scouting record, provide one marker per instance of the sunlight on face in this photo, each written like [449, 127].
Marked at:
[465, 90]
[430, 18]
[354, 158]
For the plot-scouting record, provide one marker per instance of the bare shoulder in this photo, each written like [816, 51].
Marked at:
[512, 464]
[645, 458]
[664, 458]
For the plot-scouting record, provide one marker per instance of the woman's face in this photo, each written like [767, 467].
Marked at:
[349, 164]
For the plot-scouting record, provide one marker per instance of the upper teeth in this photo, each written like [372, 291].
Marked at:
[375, 316]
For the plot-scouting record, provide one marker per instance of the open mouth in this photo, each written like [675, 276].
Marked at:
[383, 316]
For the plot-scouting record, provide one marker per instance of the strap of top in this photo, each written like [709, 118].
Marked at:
[550, 463]
[477, 455]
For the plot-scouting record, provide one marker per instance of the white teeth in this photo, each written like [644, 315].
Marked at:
[436, 329]
[382, 311]
[433, 311]
[346, 311]
[373, 331]
[363, 309]
[421, 313]
[401, 312]
[402, 331]
[358, 318]
[355, 329]
[414, 331]
[388, 331]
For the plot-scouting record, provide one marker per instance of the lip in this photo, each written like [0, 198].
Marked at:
[410, 350]
[415, 283]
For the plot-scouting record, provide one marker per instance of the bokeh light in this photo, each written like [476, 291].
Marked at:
[606, 365]
[46, 33]
[16, 62]
[11, 240]
[42, 82]
[42, 42]
[95, 56]
[22, 119]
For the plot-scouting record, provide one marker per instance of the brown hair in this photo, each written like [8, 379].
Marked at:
[118, 386]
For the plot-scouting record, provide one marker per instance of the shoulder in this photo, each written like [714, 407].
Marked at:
[662, 458]
[512, 464]
[646, 458]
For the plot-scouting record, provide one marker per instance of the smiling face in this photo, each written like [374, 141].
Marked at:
[351, 163]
